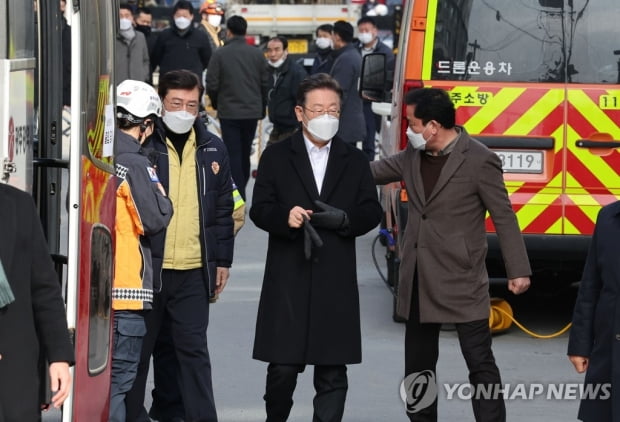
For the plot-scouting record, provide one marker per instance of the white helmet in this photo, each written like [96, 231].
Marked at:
[138, 98]
[380, 10]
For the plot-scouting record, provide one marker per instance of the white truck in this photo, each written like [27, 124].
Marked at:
[296, 20]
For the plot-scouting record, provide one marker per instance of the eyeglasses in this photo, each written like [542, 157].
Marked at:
[320, 111]
[177, 105]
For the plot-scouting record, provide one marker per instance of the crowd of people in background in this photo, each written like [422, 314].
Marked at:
[180, 200]
[180, 186]
[193, 36]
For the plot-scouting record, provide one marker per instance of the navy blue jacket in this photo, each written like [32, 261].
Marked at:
[381, 48]
[596, 318]
[215, 199]
[285, 81]
[323, 61]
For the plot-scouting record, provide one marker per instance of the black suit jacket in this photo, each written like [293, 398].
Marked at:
[36, 321]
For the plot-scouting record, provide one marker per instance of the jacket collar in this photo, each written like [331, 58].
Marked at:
[340, 51]
[126, 143]
[455, 160]
[235, 39]
[335, 165]
[283, 67]
[203, 136]
[183, 33]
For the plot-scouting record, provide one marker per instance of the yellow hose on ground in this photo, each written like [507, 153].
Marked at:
[501, 318]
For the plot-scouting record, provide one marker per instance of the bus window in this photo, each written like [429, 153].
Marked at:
[99, 91]
[526, 41]
[101, 273]
[21, 34]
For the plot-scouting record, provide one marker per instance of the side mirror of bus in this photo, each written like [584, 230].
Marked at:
[374, 84]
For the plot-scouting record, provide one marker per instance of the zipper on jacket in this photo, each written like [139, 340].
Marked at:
[205, 259]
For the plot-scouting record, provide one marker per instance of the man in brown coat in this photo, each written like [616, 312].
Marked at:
[452, 180]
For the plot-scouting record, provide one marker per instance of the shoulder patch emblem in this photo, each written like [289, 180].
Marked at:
[215, 167]
[152, 174]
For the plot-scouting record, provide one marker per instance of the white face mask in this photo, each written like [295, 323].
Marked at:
[182, 23]
[125, 24]
[179, 121]
[323, 127]
[277, 63]
[365, 37]
[323, 42]
[214, 20]
[416, 140]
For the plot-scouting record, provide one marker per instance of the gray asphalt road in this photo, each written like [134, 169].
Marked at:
[374, 385]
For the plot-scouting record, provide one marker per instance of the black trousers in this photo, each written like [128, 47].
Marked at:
[330, 384]
[422, 352]
[238, 135]
[177, 338]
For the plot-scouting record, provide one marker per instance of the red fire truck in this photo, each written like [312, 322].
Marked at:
[538, 82]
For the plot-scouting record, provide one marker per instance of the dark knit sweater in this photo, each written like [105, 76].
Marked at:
[430, 167]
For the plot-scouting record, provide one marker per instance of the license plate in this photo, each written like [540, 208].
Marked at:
[298, 46]
[521, 161]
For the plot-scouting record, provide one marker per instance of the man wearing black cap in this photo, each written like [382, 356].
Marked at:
[346, 70]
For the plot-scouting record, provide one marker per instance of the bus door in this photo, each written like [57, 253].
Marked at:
[91, 205]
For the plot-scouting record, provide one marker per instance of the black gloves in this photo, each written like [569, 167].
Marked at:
[329, 218]
[311, 238]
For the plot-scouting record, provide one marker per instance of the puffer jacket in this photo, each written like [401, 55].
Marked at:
[215, 200]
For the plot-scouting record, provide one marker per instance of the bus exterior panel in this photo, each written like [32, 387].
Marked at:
[93, 202]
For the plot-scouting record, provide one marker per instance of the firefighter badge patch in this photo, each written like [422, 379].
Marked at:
[215, 167]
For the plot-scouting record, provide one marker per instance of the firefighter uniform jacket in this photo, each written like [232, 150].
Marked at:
[141, 210]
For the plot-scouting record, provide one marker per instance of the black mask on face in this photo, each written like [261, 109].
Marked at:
[145, 29]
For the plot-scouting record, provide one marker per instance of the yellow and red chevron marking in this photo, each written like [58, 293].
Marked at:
[566, 198]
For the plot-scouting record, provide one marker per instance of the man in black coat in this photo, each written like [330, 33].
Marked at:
[181, 46]
[32, 312]
[593, 346]
[309, 305]
[286, 75]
